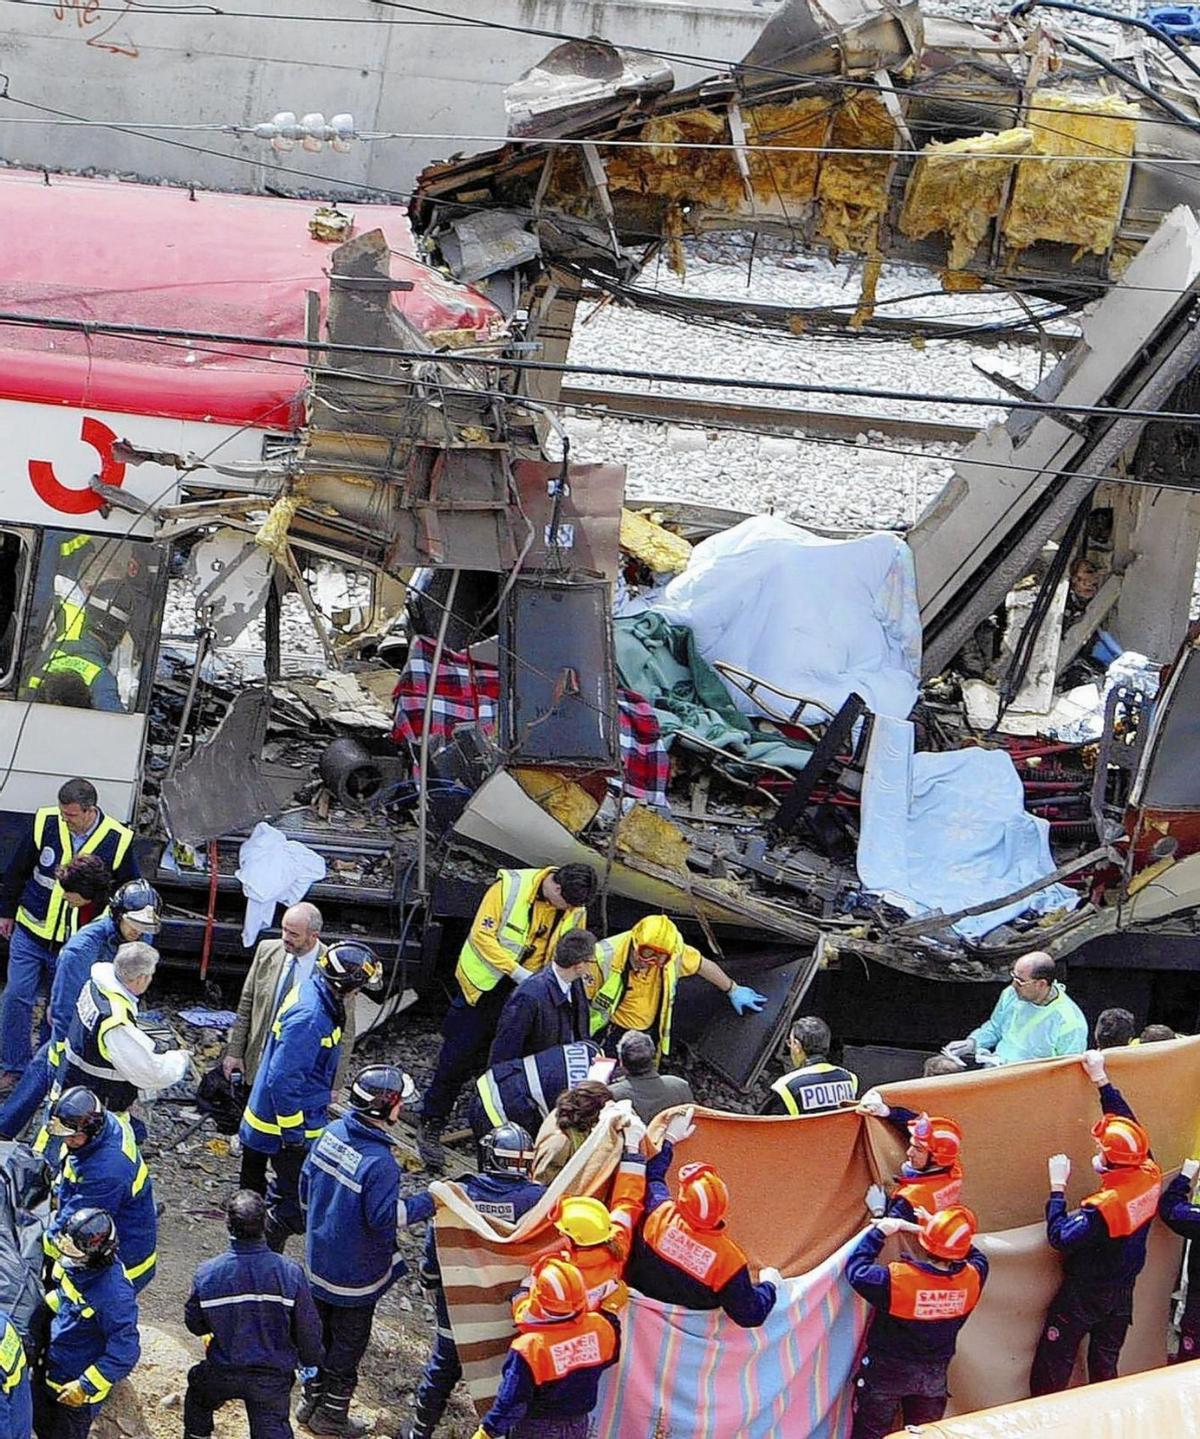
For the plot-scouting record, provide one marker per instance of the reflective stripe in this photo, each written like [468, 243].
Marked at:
[94, 1069]
[98, 1382]
[12, 1359]
[363, 1291]
[49, 926]
[534, 1080]
[248, 1299]
[139, 1269]
[335, 1173]
[290, 1121]
[264, 1126]
[47, 881]
[489, 1097]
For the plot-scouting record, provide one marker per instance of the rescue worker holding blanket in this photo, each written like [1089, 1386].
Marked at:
[1103, 1244]
[1182, 1217]
[634, 980]
[921, 1303]
[516, 929]
[289, 1103]
[931, 1176]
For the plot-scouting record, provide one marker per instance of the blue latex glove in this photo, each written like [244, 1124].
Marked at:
[743, 998]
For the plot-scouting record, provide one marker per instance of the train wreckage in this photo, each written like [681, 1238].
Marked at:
[929, 753]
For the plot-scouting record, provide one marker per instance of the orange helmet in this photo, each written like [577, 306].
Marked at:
[703, 1197]
[1122, 1141]
[941, 1137]
[558, 1290]
[950, 1232]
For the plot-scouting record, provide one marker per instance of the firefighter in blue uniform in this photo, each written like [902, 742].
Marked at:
[134, 912]
[503, 1191]
[16, 1405]
[922, 1301]
[256, 1312]
[102, 1168]
[1182, 1217]
[523, 1090]
[350, 1190]
[1103, 1244]
[93, 1326]
[289, 1102]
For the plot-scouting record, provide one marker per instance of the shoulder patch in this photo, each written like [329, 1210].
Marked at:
[339, 1153]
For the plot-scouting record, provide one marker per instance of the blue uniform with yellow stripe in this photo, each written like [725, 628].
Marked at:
[109, 1173]
[93, 1331]
[16, 1406]
[289, 1102]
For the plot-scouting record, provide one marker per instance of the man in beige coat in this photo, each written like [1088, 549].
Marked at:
[278, 964]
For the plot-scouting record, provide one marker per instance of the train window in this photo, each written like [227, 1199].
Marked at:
[94, 620]
[15, 552]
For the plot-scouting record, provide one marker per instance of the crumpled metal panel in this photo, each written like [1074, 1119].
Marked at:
[847, 37]
[580, 82]
[221, 787]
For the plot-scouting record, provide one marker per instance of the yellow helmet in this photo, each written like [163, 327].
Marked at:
[657, 932]
[584, 1221]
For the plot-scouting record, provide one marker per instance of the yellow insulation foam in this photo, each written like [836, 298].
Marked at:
[852, 190]
[644, 538]
[569, 803]
[643, 833]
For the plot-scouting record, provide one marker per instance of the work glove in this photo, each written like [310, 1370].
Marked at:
[743, 998]
[635, 1132]
[1059, 1168]
[292, 1138]
[680, 1126]
[1093, 1066]
[892, 1224]
[874, 1103]
[876, 1200]
[959, 1048]
[771, 1276]
[73, 1395]
[1189, 1169]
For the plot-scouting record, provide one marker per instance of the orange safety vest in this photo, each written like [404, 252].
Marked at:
[1129, 1198]
[924, 1295]
[932, 1190]
[561, 1349]
[707, 1255]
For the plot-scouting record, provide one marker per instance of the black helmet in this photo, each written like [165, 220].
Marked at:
[508, 1149]
[382, 1091]
[76, 1111]
[350, 966]
[140, 902]
[88, 1240]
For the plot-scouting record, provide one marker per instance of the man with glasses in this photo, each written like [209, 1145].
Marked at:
[1033, 1019]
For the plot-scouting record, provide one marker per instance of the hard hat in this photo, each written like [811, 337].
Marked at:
[76, 1111]
[558, 1290]
[350, 966]
[585, 1221]
[1123, 1142]
[382, 1091]
[950, 1232]
[88, 1240]
[507, 1149]
[941, 1137]
[656, 931]
[140, 902]
[703, 1196]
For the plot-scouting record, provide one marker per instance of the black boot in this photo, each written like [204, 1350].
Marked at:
[310, 1398]
[429, 1144]
[276, 1234]
[332, 1415]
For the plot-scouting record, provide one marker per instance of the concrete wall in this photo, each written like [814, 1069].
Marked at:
[391, 69]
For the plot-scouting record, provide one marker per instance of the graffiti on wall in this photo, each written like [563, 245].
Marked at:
[102, 30]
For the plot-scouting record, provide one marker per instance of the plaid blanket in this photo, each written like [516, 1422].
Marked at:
[467, 693]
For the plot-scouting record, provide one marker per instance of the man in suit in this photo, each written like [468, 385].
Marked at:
[551, 1008]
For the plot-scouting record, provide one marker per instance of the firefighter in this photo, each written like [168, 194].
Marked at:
[812, 1085]
[93, 1326]
[101, 1168]
[289, 1103]
[16, 1405]
[1103, 1244]
[921, 1303]
[134, 912]
[931, 1177]
[256, 1314]
[350, 1191]
[522, 1091]
[1182, 1217]
[35, 917]
[632, 985]
[515, 931]
[682, 1255]
[550, 1379]
[503, 1191]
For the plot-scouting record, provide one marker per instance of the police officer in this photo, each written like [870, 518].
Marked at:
[503, 1191]
[515, 931]
[133, 913]
[550, 1380]
[682, 1255]
[921, 1303]
[93, 1326]
[16, 1406]
[35, 917]
[289, 1103]
[350, 1190]
[1182, 1217]
[522, 1090]
[258, 1310]
[931, 1176]
[101, 1168]
[1103, 1244]
[812, 1085]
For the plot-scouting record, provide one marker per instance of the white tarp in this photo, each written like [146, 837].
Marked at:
[949, 831]
[813, 617]
[273, 870]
